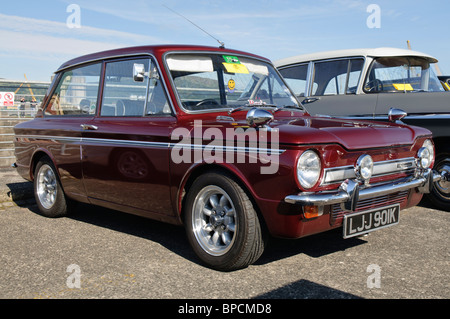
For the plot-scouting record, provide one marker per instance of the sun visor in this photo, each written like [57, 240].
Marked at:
[254, 67]
[188, 63]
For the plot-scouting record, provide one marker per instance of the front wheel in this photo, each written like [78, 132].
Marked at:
[221, 223]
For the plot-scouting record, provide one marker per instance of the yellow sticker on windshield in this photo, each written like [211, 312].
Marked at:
[235, 68]
[403, 87]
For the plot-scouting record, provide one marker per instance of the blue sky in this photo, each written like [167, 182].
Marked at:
[36, 39]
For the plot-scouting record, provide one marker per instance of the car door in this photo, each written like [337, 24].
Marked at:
[125, 153]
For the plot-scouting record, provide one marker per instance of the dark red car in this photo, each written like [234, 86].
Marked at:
[214, 139]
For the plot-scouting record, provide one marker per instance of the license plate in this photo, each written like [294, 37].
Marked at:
[360, 223]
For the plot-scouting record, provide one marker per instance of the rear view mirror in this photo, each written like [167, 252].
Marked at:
[138, 72]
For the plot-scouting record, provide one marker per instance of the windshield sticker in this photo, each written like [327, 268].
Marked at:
[235, 68]
[403, 87]
[231, 59]
[231, 86]
[256, 103]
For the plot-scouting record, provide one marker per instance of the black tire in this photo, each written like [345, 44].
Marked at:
[440, 192]
[48, 192]
[226, 236]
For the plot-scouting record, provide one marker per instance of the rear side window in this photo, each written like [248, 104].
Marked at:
[76, 93]
[338, 77]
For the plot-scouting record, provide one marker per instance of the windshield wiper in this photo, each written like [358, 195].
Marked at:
[296, 107]
[239, 108]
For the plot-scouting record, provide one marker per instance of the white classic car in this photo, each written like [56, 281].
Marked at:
[367, 83]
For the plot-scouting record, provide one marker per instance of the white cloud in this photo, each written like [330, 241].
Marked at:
[36, 36]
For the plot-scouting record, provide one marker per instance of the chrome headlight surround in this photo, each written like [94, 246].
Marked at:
[425, 155]
[364, 167]
[309, 169]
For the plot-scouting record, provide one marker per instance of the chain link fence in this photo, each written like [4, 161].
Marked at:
[27, 99]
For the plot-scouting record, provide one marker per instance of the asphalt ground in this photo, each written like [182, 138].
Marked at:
[103, 254]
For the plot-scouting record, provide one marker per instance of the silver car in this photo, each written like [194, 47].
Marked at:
[368, 83]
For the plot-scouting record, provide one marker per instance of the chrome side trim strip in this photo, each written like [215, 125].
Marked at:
[160, 145]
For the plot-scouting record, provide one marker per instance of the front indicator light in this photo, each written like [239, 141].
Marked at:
[312, 211]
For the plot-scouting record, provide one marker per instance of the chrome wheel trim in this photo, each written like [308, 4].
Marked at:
[214, 220]
[46, 186]
[443, 187]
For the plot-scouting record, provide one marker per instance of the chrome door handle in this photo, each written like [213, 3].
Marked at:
[87, 127]
[310, 100]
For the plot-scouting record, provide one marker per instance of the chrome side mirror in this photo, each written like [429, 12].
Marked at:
[138, 72]
[395, 115]
[258, 117]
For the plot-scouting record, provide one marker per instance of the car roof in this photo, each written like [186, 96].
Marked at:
[148, 49]
[375, 52]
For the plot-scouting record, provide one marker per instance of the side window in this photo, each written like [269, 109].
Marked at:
[122, 95]
[337, 77]
[76, 93]
[296, 78]
[330, 77]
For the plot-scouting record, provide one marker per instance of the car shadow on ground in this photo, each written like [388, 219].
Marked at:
[305, 289]
[314, 246]
[174, 238]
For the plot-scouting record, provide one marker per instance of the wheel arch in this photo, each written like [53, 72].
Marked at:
[37, 156]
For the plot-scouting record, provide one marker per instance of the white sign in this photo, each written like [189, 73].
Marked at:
[6, 98]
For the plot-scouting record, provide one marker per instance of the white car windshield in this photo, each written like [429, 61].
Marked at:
[401, 74]
[219, 81]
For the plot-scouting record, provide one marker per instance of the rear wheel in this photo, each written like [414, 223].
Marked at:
[221, 223]
[48, 192]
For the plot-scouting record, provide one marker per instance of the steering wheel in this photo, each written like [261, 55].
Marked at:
[207, 102]
[374, 85]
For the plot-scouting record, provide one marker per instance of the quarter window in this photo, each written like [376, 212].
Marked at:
[76, 93]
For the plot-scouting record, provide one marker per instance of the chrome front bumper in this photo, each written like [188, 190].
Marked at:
[350, 192]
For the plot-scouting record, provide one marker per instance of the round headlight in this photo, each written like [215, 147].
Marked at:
[426, 155]
[308, 169]
[364, 167]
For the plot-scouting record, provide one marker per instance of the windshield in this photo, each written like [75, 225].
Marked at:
[217, 81]
[401, 74]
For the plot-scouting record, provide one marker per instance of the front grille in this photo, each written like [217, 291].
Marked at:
[336, 213]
